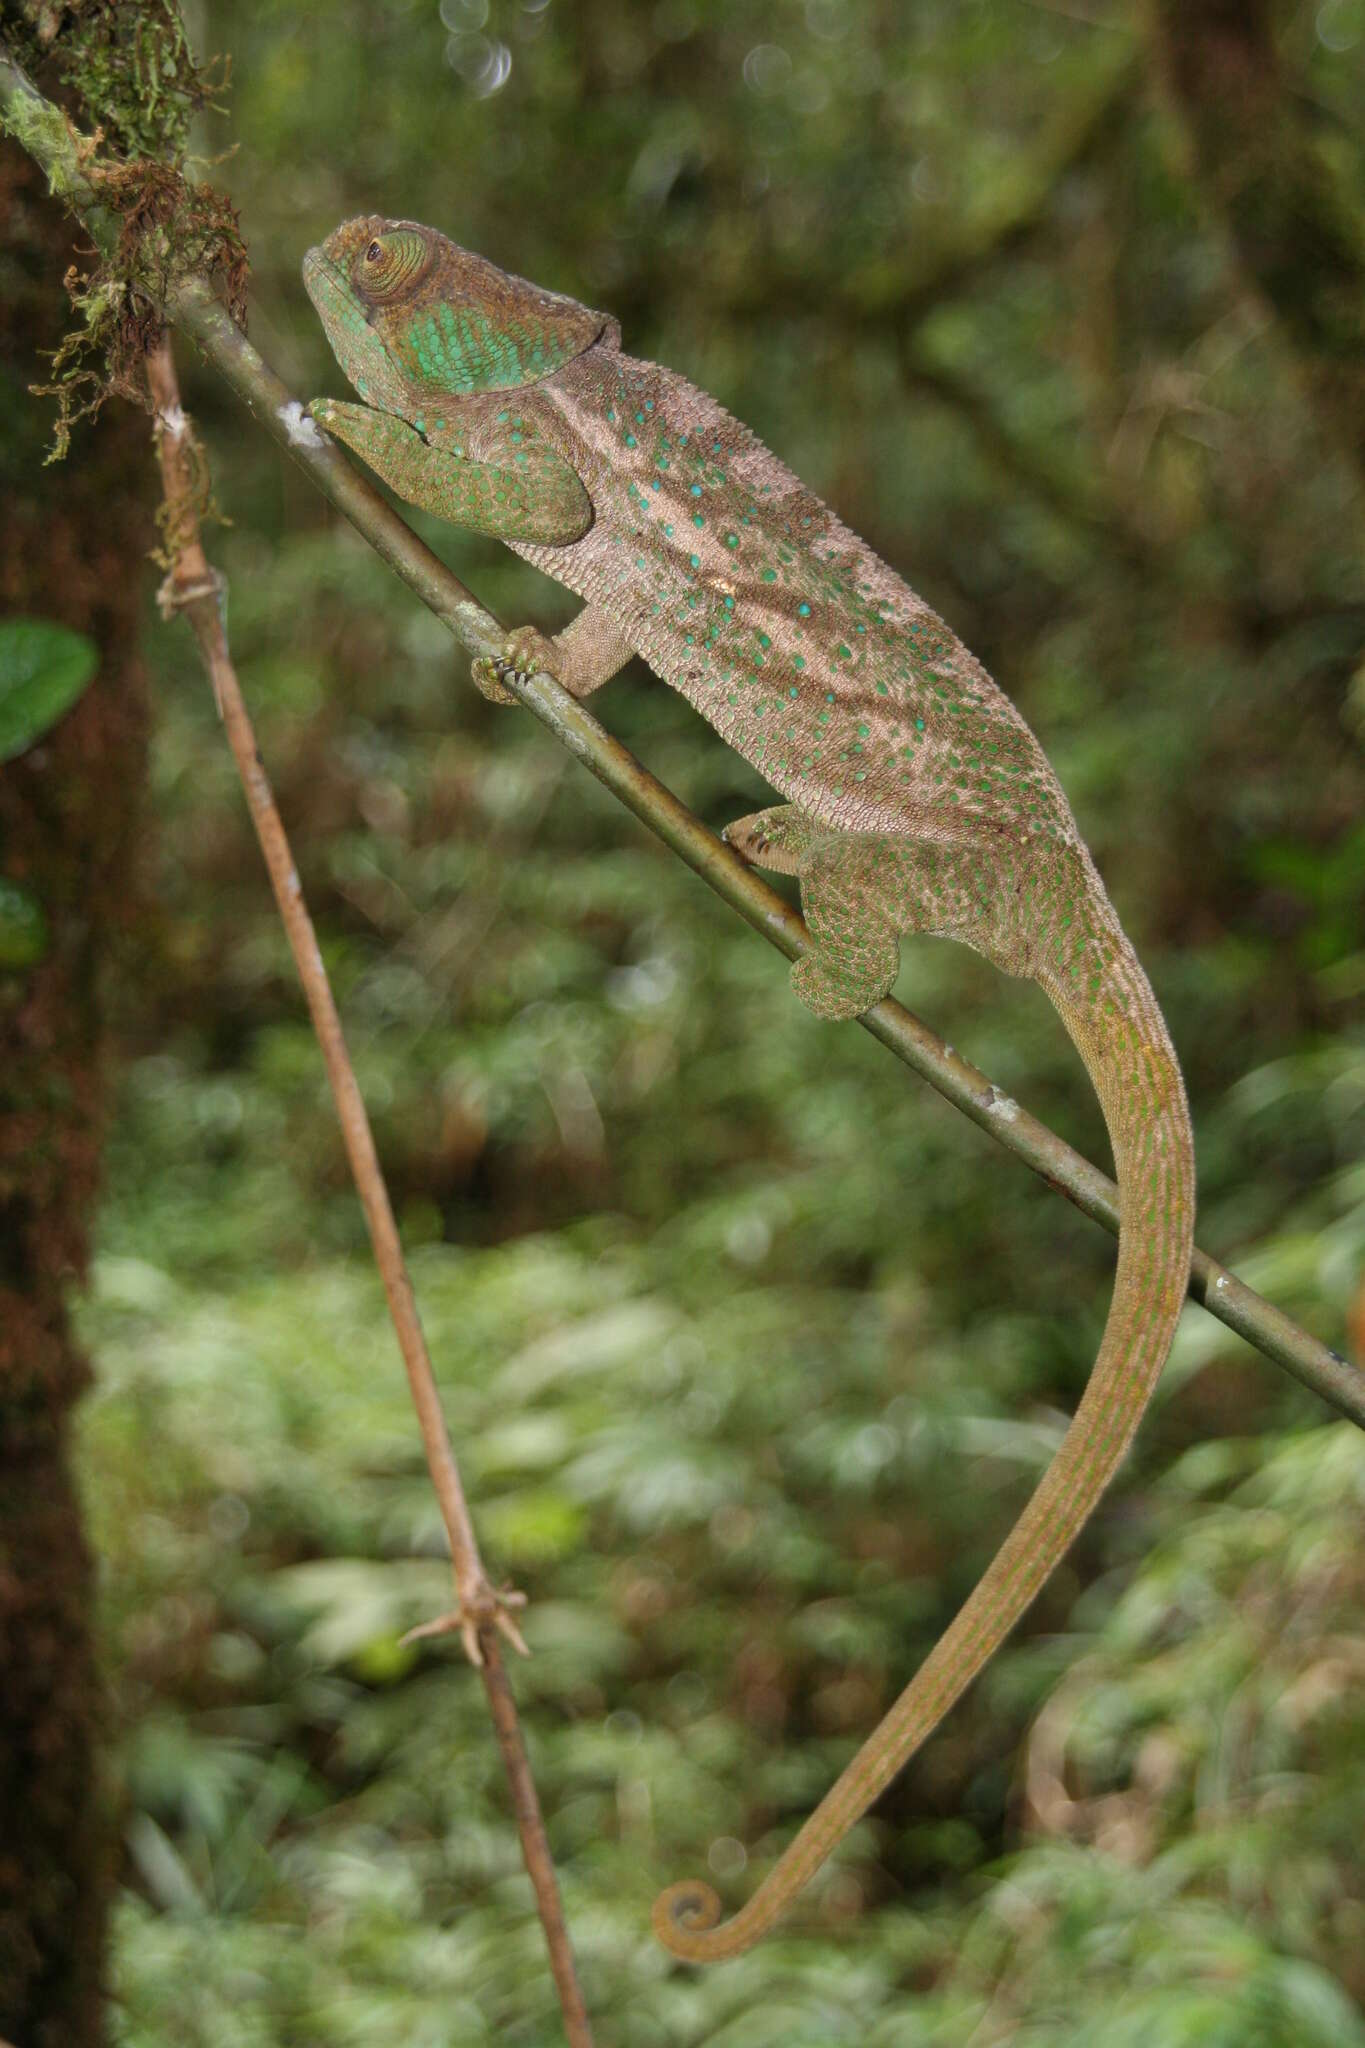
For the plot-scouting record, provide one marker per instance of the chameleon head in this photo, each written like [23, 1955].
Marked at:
[411, 315]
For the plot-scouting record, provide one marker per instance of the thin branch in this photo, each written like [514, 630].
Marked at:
[194, 589]
[195, 311]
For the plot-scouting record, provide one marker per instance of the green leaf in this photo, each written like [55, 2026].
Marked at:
[23, 927]
[43, 669]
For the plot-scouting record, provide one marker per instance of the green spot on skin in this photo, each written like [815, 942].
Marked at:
[845, 653]
[770, 575]
[803, 611]
[631, 442]
[696, 490]
[694, 560]
[698, 519]
[732, 540]
[798, 661]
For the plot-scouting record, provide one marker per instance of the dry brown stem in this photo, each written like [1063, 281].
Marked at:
[194, 588]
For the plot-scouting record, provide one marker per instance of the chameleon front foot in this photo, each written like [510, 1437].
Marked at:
[526, 653]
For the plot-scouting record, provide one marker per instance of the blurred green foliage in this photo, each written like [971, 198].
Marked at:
[43, 670]
[750, 1349]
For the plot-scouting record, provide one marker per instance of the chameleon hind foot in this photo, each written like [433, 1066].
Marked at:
[776, 838]
[831, 989]
[854, 955]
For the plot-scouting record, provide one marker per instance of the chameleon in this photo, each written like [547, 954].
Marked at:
[917, 800]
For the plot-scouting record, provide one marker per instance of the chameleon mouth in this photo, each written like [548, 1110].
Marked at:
[324, 275]
[348, 323]
[324, 280]
[315, 260]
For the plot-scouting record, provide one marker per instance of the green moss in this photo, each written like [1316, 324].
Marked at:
[134, 85]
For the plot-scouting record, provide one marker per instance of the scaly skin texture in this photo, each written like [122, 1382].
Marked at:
[917, 798]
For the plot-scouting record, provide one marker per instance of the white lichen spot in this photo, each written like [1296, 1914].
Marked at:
[1220, 1283]
[1002, 1105]
[303, 432]
[171, 420]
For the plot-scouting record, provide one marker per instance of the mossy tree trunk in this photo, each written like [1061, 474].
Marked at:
[73, 544]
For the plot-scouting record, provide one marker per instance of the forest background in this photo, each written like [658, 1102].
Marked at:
[750, 1347]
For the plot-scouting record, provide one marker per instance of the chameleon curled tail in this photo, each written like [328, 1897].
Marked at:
[1084, 962]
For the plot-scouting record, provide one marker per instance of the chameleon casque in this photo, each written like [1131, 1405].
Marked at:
[917, 798]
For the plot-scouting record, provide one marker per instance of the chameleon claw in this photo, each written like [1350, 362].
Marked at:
[488, 671]
[524, 655]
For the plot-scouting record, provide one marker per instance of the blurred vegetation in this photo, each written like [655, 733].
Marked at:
[751, 1350]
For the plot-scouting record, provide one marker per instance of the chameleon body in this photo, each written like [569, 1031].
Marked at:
[917, 800]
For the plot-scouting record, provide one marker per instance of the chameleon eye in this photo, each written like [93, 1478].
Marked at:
[391, 261]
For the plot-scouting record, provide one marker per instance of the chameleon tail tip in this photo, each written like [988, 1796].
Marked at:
[685, 1909]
